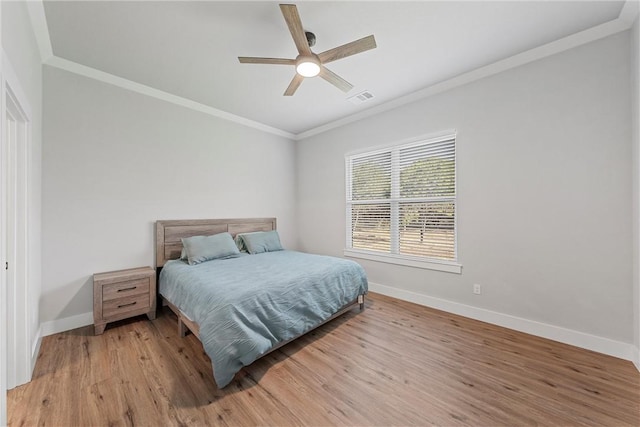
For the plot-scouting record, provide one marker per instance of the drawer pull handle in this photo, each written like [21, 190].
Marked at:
[127, 289]
[127, 305]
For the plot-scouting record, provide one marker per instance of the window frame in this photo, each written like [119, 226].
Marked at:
[451, 266]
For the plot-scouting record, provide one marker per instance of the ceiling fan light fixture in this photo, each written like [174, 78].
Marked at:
[308, 66]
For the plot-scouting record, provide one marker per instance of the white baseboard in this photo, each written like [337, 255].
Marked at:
[61, 325]
[556, 333]
[35, 350]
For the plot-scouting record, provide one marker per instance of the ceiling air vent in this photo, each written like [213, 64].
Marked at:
[360, 98]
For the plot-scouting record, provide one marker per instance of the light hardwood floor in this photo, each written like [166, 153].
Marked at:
[395, 363]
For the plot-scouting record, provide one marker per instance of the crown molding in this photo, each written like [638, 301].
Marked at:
[114, 80]
[592, 34]
[40, 28]
[629, 12]
[41, 32]
[625, 20]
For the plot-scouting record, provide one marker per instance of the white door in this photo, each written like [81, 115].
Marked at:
[9, 238]
[16, 128]
[3, 276]
[15, 292]
[3, 295]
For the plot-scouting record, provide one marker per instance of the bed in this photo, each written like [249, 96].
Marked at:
[245, 306]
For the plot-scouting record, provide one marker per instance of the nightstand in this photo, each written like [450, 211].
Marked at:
[122, 294]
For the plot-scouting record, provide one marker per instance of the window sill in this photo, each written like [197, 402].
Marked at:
[446, 266]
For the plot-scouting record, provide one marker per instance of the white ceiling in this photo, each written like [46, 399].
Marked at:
[190, 49]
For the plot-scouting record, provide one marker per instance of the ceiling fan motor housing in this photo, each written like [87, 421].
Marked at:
[311, 38]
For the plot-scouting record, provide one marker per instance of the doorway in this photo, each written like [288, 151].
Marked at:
[15, 137]
[16, 131]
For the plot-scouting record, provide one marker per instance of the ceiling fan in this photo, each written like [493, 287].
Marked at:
[309, 64]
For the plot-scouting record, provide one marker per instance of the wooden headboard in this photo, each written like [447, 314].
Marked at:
[170, 232]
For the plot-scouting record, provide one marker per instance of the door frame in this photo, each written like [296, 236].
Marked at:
[14, 102]
[3, 293]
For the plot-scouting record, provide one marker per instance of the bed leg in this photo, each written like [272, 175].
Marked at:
[361, 301]
[182, 329]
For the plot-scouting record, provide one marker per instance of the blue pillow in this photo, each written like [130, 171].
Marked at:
[261, 241]
[205, 248]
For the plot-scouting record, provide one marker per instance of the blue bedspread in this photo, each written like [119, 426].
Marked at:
[246, 305]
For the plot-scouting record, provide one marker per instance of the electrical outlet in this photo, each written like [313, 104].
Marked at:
[477, 289]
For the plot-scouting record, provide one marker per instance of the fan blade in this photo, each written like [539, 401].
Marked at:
[348, 49]
[290, 13]
[335, 79]
[255, 60]
[293, 86]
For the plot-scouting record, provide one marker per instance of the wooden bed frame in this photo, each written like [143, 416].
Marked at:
[169, 234]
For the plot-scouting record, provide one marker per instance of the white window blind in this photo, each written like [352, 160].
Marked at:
[401, 200]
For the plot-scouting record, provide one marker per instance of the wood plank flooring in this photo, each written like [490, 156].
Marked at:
[395, 363]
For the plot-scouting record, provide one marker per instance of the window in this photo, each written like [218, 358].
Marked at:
[401, 204]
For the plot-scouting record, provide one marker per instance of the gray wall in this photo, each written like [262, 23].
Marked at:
[116, 161]
[544, 183]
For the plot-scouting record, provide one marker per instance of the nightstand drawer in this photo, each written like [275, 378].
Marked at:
[120, 306]
[125, 289]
